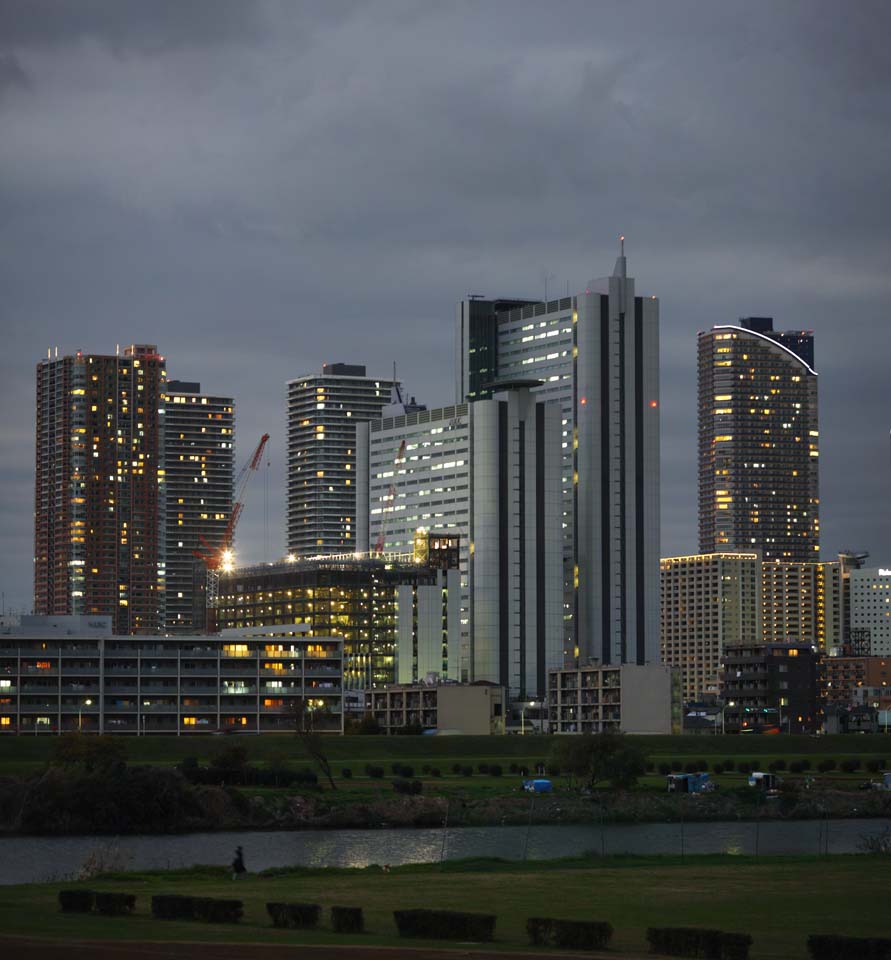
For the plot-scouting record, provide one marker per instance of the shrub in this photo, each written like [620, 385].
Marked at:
[190, 768]
[435, 772]
[718, 768]
[702, 766]
[831, 946]
[729, 765]
[483, 768]
[425, 769]
[744, 766]
[773, 766]
[295, 916]
[172, 906]
[409, 787]
[570, 934]
[456, 768]
[376, 773]
[805, 764]
[779, 764]
[347, 920]
[796, 767]
[466, 771]
[407, 772]
[665, 769]
[495, 770]
[217, 910]
[827, 765]
[693, 942]
[873, 766]
[691, 768]
[649, 767]
[346, 773]
[849, 766]
[676, 766]
[445, 924]
[115, 904]
[76, 901]
[554, 771]
[309, 777]
[523, 771]
[396, 768]
[513, 768]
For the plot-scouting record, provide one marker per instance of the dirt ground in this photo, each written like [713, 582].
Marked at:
[14, 948]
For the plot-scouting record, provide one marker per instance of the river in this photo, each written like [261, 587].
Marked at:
[46, 859]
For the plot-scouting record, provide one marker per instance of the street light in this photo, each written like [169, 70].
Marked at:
[86, 703]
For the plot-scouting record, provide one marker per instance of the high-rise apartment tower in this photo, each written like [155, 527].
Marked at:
[199, 455]
[597, 355]
[99, 500]
[758, 442]
[322, 414]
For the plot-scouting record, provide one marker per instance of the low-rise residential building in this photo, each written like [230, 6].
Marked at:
[54, 680]
[771, 687]
[626, 698]
[469, 708]
[847, 677]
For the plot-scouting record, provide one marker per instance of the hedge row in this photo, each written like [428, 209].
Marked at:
[833, 947]
[571, 934]
[693, 942]
[85, 901]
[295, 916]
[208, 909]
[445, 924]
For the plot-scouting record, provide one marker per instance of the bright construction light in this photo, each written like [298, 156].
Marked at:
[227, 563]
[292, 558]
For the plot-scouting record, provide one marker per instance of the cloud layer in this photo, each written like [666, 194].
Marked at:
[261, 187]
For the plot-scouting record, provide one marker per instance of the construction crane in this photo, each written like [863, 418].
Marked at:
[219, 557]
[391, 497]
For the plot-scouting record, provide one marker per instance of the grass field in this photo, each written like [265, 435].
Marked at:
[778, 901]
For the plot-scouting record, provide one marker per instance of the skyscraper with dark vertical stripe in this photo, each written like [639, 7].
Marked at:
[597, 355]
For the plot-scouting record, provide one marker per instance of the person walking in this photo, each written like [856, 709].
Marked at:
[238, 867]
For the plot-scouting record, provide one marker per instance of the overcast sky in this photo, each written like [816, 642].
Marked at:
[261, 187]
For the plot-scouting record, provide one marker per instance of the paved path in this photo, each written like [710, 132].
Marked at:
[33, 949]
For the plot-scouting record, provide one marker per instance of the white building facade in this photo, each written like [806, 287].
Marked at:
[488, 472]
[870, 609]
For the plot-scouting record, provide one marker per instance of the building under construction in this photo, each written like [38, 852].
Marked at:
[399, 618]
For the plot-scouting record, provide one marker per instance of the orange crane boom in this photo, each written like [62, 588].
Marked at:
[213, 556]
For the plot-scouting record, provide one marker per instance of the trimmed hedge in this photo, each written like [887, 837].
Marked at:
[571, 934]
[694, 942]
[172, 906]
[445, 924]
[295, 916]
[347, 920]
[209, 909]
[115, 904]
[76, 901]
[831, 946]
[216, 910]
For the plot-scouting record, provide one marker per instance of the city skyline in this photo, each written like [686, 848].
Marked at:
[149, 210]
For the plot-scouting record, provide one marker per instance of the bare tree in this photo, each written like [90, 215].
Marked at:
[313, 743]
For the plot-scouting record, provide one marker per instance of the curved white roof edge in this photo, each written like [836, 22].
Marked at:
[792, 353]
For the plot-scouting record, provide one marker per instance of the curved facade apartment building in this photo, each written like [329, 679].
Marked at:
[758, 442]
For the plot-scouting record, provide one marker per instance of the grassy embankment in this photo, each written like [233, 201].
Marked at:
[22, 756]
[779, 902]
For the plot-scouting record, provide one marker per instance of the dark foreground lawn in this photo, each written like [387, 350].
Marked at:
[779, 901]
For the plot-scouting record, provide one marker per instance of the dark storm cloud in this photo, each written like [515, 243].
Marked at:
[259, 187]
[127, 24]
